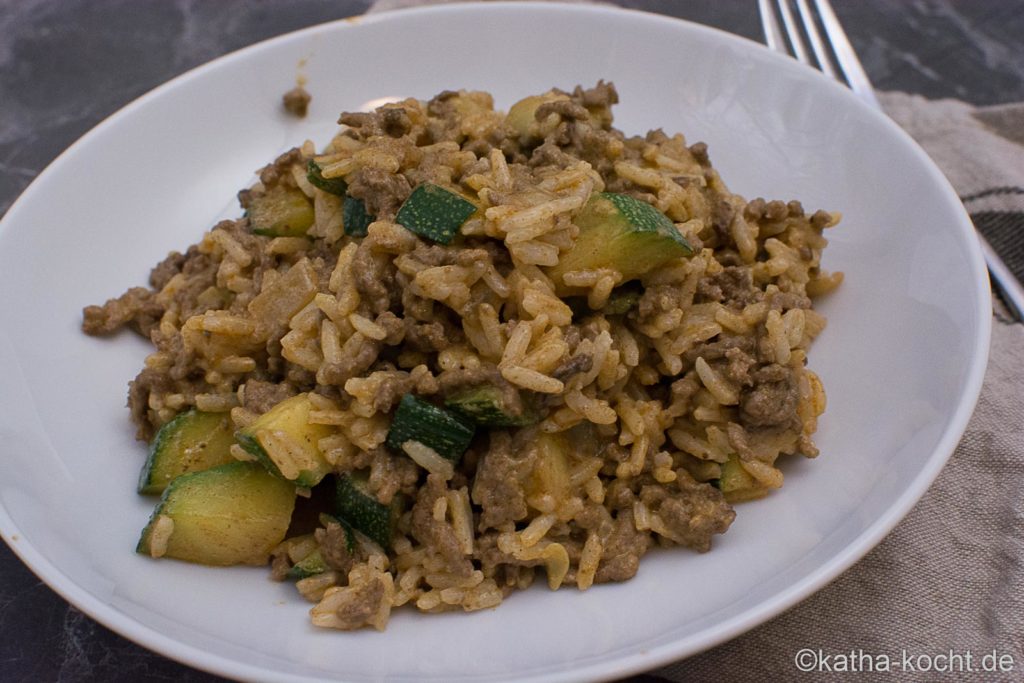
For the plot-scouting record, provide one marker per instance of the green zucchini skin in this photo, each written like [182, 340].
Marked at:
[310, 565]
[354, 218]
[434, 213]
[281, 212]
[485, 406]
[315, 176]
[191, 442]
[622, 233]
[359, 509]
[734, 477]
[445, 431]
[292, 417]
[229, 514]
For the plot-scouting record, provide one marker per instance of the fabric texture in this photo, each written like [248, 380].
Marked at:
[949, 579]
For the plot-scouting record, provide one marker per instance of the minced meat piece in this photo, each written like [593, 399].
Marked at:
[136, 307]
[296, 101]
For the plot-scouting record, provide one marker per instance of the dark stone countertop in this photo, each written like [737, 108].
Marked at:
[67, 64]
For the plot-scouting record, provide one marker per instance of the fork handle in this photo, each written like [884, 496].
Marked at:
[1003, 280]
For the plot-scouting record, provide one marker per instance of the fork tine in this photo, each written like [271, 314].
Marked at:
[793, 32]
[814, 36]
[770, 23]
[845, 55]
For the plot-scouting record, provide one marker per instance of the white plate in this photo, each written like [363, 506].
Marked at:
[902, 359]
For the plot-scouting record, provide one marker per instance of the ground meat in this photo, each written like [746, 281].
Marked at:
[601, 96]
[699, 150]
[595, 517]
[360, 603]
[149, 381]
[820, 219]
[280, 172]
[391, 474]
[393, 326]
[391, 120]
[567, 109]
[436, 534]
[722, 213]
[438, 255]
[165, 270]
[734, 286]
[182, 357]
[754, 209]
[375, 276]
[657, 299]
[619, 496]
[490, 556]
[784, 301]
[280, 565]
[426, 337]
[197, 291]
[738, 367]
[622, 550]
[137, 307]
[361, 460]
[382, 192]
[350, 366]
[550, 154]
[715, 350]
[367, 122]
[692, 514]
[300, 376]
[296, 101]
[773, 399]
[498, 484]
[334, 543]
[395, 121]
[485, 373]
[261, 396]
[682, 392]
[573, 366]
[391, 390]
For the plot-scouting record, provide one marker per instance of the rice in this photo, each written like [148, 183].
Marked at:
[636, 407]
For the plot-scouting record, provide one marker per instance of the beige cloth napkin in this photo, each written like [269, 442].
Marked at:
[942, 597]
[949, 579]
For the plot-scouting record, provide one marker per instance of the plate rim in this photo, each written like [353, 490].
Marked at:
[648, 658]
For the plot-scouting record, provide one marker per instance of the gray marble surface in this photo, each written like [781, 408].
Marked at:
[67, 64]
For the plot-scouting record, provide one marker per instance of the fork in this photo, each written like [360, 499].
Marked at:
[834, 56]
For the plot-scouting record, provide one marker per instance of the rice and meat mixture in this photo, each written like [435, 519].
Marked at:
[473, 345]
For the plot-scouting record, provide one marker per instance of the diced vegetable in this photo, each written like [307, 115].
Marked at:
[354, 217]
[230, 514]
[550, 476]
[445, 431]
[737, 484]
[356, 506]
[622, 300]
[622, 233]
[191, 442]
[486, 405]
[281, 212]
[310, 565]
[522, 116]
[286, 443]
[278, 301]
[315, 175]
[434, 213]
